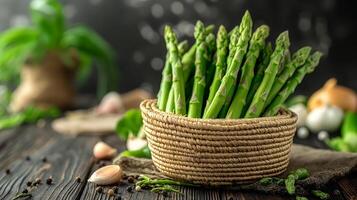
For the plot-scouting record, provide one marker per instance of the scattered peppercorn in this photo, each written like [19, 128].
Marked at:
[115, 189]
[44, 159]
[111, 192]
[131, 179]
[29, 183]
[28, 158]
[49, 180]
[78, 179]
[129, 189]
[7, 171]
[99, 189]
[25, 191]
[165, 194]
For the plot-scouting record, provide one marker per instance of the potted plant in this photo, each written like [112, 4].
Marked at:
[46, 57]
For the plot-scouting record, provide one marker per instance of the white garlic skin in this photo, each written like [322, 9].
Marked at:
[107, 175]
[102, 150]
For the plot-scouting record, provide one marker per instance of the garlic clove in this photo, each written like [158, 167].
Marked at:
[136, 143]
[107, 175]
[102, 150]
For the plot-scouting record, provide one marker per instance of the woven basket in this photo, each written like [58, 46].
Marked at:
[218, 151]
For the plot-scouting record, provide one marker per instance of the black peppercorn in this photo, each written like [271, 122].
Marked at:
[29, 183]
[165, 194]
[7, 171]
[115, 189]
[44, 159]
[49, 181]
[131, 179]
[99, 189]
[129, 189]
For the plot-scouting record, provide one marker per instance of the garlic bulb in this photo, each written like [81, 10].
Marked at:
[102, 150]
[301, 112]
[325, 118]
[107, 175]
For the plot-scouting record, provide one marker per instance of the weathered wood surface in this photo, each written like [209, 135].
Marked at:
[65, 158]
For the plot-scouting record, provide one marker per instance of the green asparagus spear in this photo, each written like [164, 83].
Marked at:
[297, 61]
[177, 71]
[286, 59]
[257, 43]
[170, 105]
[230, 77]
[166, 80]
[221, 55]
[165, 84]
[183, 47]
[196, 102]
[292, 83]
[166, 92]
[233, 40]
[209, 29]
[259, 75]
[210, 40]
[188, 63]
[188, 60]
[258, 102]
[227, 103]
[211, 45]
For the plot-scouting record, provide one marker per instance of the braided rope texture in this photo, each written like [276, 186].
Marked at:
[218, 151]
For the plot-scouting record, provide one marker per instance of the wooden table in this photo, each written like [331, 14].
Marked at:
[28, 153]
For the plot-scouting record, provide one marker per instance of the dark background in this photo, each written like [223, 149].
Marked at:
[134, 27]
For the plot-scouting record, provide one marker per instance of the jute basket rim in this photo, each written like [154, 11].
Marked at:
[282, 114]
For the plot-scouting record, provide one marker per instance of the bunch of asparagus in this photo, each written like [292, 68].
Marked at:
[236, 75]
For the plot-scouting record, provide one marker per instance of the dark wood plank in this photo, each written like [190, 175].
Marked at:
[66, 158]
[348, 187]
[236, 195]
[69, 157]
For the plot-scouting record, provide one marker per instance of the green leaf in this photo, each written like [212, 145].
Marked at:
[130, 123]
[140, 153]
[12, 59]
[87, 42]
[48, 18]
[338, 144]
[17, 36]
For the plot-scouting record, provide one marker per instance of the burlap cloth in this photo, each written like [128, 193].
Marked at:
[323, 165]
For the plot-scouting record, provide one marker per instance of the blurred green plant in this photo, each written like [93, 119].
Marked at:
[5, 97]
[29, 115]
[49, 32]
